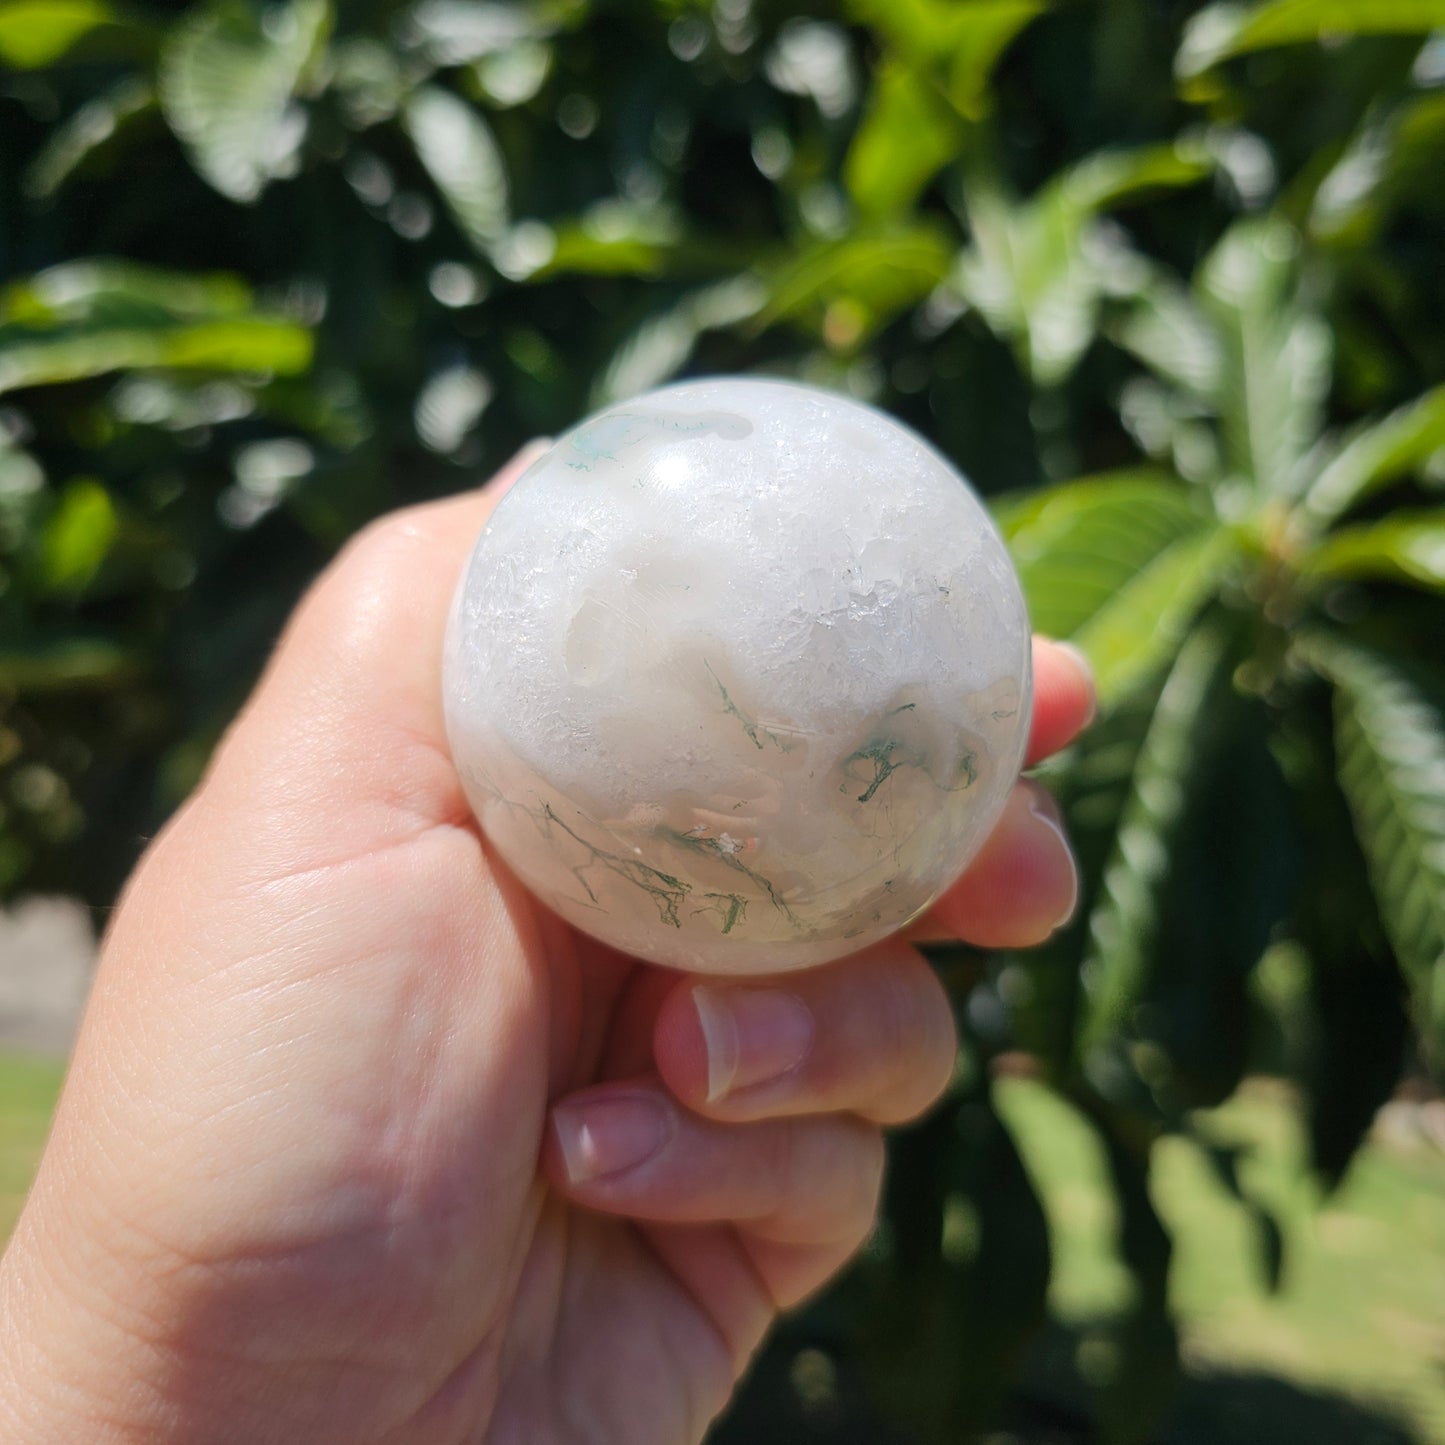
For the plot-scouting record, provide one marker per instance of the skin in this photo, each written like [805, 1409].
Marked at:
[340, 1153]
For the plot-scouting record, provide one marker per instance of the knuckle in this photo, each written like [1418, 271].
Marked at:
[381, 545]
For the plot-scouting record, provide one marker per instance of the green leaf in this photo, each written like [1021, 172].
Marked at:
[88, 318]
[85, 291]
[1390, 740]
[1127, 639]
[851, 287]
[1206, 833]
[1223, 31]
[1123, 927]
[1076, 545]
[1394, 158]
[1109, 178]
[1344, 1011]
[77, 537]
[457, 148]
[1276, 354]
[1166, 330]
[458, 32]
[1118, 565]
[658, 349]
[1377, 454]
[229, 78]
[1092, 783]
[1405, 547]
[963, 38]
[614, 238]
[37, 33]
[1037, 270]
[256, 344]
[906, 136]
[96, 123]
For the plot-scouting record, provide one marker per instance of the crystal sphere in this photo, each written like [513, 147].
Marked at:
[737, 677]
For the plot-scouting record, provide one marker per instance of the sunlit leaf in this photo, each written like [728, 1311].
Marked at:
[460, 154]
[85, 319]
[1165, 329]
[1227, 30]
[1076, 545]
[614, 238]
[250, 345]
[1393, 158]
[76, 291]
[1276, 354]
[1038, 269]
[871, 277]
[97, 122]
[907, 134]
[813, 58]
[1377, 454]
[1405, 547]
[963, 38]
[457, 32]
[1119, 565]
[658, 349]
[449, 406]
[1109, 178]
[1390, 736]
[77, 536]
[37, 33]
[369, 80]
[1130, 637]
[229, 78]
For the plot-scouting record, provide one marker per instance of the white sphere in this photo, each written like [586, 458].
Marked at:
[737, 678]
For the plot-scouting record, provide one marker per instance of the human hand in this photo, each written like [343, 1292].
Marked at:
[343, 1151]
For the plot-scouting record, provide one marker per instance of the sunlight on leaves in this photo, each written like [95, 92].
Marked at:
[229, 80]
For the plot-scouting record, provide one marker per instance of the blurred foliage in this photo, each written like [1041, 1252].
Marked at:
[1164, 280]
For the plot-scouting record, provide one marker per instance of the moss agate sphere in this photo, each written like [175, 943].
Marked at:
[737, 677]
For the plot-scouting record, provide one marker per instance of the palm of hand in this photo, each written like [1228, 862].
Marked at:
[328, 1033]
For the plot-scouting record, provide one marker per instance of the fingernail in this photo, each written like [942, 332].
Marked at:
[1044, 806]
[1086, 668]
[603, 1137]
[752, 1036]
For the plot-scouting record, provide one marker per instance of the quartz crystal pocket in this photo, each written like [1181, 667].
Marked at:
[737, 676]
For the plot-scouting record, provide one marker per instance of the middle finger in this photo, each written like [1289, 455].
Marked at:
[871, 1035]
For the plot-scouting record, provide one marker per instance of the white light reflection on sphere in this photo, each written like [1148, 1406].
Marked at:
[737, 678]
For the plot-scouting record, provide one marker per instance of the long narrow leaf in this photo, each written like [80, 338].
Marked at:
[907, 134]
[1227, 30]
[460, 154]
[1123, 926]
[1276, 355]
[1405, 547]
[1390, 737]
[1378, 454]
[1078, 544]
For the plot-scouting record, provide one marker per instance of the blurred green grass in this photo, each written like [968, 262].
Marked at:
[1361, 1310]
[1362, 1307]
[28, 1090]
